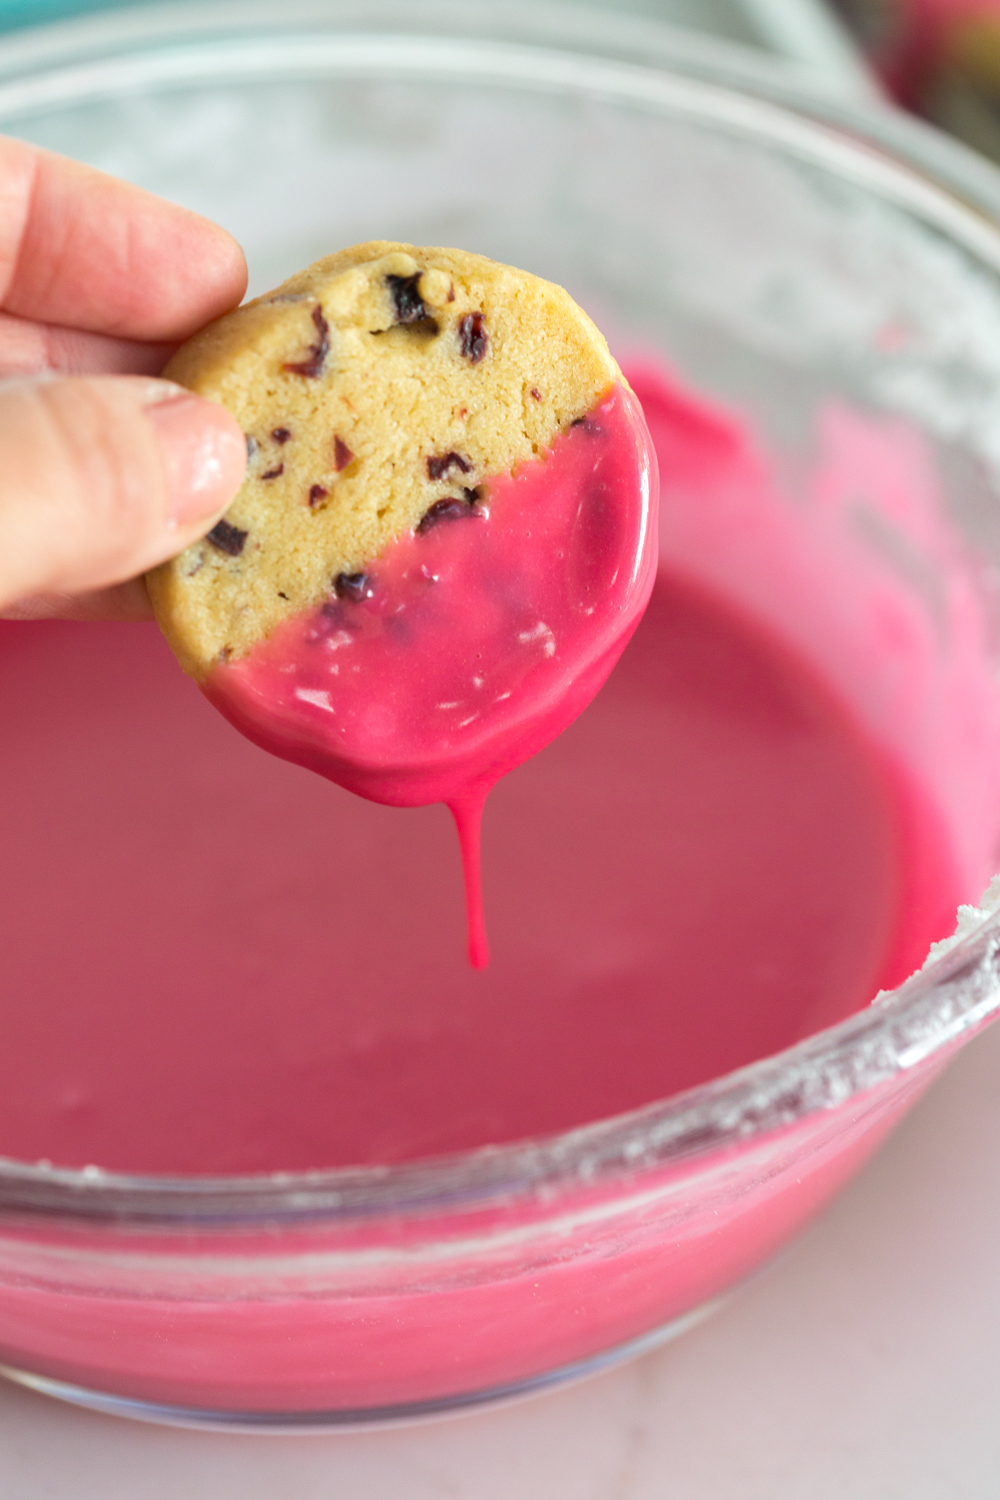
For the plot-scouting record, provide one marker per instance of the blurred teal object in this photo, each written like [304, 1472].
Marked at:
[36, 12]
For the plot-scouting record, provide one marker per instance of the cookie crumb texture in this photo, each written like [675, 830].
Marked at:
[378, 389]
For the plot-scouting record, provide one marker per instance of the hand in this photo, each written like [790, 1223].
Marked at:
[104, 470]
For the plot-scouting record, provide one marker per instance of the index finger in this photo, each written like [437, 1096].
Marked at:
[83, 249]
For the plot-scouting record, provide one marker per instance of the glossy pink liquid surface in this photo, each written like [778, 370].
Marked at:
[475, 642]
[217, 963]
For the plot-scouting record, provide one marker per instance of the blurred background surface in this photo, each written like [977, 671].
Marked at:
[940, 58]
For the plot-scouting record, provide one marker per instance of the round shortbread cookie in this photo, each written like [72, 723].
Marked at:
[378, 389]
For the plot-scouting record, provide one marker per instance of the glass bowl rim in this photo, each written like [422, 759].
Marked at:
[906, 1030]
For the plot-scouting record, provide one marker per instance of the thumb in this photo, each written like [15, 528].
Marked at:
[103, 477]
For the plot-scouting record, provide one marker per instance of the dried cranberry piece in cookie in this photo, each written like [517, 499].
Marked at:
[315, 361]
[473, 340]
[441, 464]
[406, 299]
[227, 538]
[451, 509]
[354, 586]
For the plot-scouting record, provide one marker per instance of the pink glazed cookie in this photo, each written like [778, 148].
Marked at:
[445, 537]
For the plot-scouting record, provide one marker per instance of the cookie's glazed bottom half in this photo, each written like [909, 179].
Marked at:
[473, 640]
[445, 535]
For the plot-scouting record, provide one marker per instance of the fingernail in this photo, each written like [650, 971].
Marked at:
[203, 450]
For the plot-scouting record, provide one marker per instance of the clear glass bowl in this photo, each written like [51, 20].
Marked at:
[784, 252]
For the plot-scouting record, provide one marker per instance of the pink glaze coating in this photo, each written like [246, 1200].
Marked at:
[474, 643]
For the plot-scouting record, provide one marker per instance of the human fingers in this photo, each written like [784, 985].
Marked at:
[31, 348]
[82, 249]
[102, 478]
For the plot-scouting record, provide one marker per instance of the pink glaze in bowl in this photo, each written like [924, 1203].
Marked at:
[830, 288]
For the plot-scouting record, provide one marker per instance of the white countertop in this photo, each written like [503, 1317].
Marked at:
[863, 1365]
